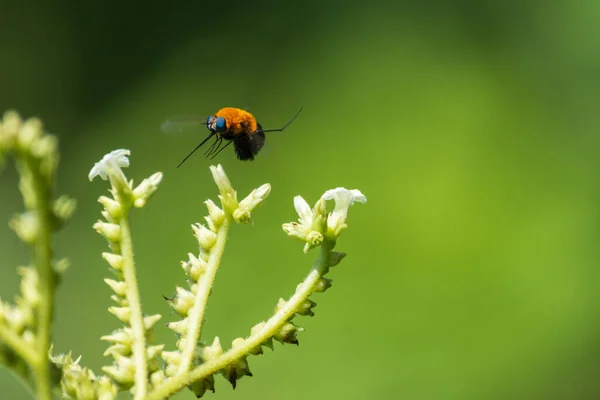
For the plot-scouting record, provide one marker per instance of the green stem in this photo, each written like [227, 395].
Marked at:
[17, 344]
[137, 319]
[47, 278]
[304, 290]
[196, 314]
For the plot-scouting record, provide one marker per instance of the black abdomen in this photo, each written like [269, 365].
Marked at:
[248, 145]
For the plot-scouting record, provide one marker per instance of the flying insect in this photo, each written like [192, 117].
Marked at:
[236, 126]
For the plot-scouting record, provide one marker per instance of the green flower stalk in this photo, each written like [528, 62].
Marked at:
[139, 365]
[134, 359]
[26, 326]
[233, 364]
[201, 271]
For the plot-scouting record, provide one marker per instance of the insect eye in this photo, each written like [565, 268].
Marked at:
[220, 124]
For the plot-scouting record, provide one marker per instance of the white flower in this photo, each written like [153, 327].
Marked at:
[309, 227]
[115, 160]
[344, 198]
[314, 223]
[305, 214]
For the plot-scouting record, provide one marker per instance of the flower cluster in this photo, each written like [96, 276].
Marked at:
[26, 326]
[135, 358]
[81, 383]
[314, 225]
[233, 364]
[201, 269]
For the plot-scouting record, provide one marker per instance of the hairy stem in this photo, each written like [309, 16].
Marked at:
[205, 282]
[137, 319]
[305, 289]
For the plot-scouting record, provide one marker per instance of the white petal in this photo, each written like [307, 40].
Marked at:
[221, 180]
[120, 157]
[358, 196]
[116, 159]
[98, 170]
[343, 198]
[303, 210]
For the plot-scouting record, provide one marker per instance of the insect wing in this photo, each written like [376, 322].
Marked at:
[181, 124]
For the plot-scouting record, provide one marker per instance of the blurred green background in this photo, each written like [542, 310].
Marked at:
[471, 127]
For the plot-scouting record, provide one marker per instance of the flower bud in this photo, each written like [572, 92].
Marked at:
[306, 308]
[146, 189]
[154, 351]
[195, 267]
[280, 304]
[182, 302]
[288, 334]
[30, 286]
[111, 232]
[213, 351]
[244, 211]
[172, 357]
[30, 131]
[118, 349]
[236, 370]
[112, 207]
[122, 376]
[150, 321]
[118, 337]
[106, 390]
[114, 260]
[119, 288]
[9, 129]
[179, 327]
[200, 387]
[64, 207]
[25, 226]
[122, 301]
[221, 180]
[122, 313]
[323, 285]
[319, 220]
[206, 238]
[313, 239]
[61, 265]
[216, 214]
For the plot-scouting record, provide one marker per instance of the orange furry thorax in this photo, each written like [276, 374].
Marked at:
[238, 120]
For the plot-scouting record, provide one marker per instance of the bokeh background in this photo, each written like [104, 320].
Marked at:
[471, 126]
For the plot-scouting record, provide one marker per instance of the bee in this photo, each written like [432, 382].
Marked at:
[237, 126]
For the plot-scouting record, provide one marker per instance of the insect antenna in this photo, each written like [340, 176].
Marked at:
[197, 147]
[285, 126]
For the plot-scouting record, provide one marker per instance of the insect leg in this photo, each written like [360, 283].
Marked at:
[212, 146]
[221, 149]
[286, 125]
[197, 147]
